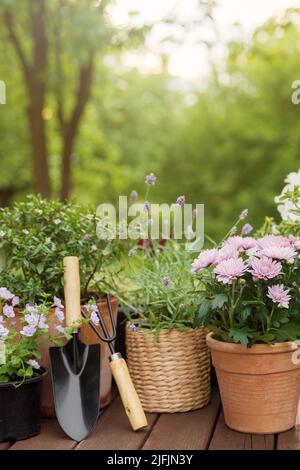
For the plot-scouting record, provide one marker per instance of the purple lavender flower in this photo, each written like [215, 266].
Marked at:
[57, 302]
[166, 281]
[229, 270]
[243, 214]
[147, 206]
[264, 268]
[8, 311]
[131, 253]
[33, 363]
[180, 201]
[233, 231]
[15, 301]
[87, 238]
[246, 229]
[150, 179]
[59, 314]
[132, 327]
[5, 294]
[60, 329]
[279, 295]
[4, 332]
[94, 318]
[205, 259]
[133, 196]
[28, 331]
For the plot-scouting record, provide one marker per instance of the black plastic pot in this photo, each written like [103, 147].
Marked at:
[20, 409]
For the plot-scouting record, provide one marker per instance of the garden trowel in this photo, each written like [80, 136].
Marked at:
[75, 366]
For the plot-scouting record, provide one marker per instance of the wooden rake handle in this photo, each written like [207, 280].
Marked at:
[129, 396]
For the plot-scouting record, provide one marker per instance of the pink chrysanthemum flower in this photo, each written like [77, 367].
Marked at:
[240, 243]
[279, 252]
[264, 268]
[228, 251]
[295, 242]
[229, 270]
[205, 259]
[272, 240]
[279, 295]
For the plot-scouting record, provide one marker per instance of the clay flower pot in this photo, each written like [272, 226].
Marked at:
[88, 336]
[259, 386]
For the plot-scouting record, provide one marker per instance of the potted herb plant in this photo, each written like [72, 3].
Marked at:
[167, 356]
[250, 303]
[21, 374]
[35, 236]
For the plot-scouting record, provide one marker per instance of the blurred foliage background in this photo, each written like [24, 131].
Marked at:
[79, 123]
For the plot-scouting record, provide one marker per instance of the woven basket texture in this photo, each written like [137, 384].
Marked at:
[170, 370]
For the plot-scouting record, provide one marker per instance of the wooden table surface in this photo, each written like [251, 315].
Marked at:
[196, 430]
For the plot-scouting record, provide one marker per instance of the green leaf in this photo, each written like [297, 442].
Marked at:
[241, 335]
[218, 301]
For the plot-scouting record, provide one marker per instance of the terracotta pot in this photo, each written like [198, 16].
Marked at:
[88, 336]
[259, 386]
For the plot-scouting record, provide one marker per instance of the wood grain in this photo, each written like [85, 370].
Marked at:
[51, 438]
[290, 440]
[113, 431]
[225, 438]
[189, 431]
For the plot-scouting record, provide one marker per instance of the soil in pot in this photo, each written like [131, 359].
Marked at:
[259, 386]
[20, 409]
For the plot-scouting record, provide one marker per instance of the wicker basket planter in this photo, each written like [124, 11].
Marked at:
[171, 372]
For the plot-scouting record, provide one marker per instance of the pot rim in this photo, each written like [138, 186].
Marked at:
[232, 348]
[31, 380]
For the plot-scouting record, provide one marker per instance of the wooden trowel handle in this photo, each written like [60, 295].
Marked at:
[127, 392]
[72, 291]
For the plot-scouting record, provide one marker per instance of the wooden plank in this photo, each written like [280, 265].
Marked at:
[5, 445]
[51, 438]
[290, 440]
[188, 431]
[225, 438]
[113, 431]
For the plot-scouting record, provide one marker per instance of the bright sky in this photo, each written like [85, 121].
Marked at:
[190, 59]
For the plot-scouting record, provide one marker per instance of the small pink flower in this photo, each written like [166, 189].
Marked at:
[279, 295]
[279, 252]
[264, 268]
[229, 270]
[8, 311]
[57, 302]
[205, 259]
[59, 314]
